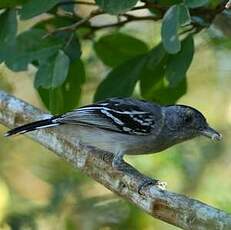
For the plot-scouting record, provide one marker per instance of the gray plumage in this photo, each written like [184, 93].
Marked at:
[128, 126]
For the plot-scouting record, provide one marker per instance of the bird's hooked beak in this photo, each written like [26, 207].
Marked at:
[211, 133]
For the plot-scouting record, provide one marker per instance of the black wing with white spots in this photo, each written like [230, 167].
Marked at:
[124, 115]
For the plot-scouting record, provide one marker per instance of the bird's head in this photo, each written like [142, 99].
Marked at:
[185, 122]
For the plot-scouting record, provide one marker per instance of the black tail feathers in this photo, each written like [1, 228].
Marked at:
[31, 127]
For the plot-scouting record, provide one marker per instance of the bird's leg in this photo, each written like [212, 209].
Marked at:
[119, 164]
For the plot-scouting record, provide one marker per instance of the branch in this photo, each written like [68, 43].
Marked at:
[77, 24]
[207, 14]
[75, 3]
[170, 207]
[84, 22]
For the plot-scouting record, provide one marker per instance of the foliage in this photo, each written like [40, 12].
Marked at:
[52, 45]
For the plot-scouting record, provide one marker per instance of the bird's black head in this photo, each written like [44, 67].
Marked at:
[186, 122]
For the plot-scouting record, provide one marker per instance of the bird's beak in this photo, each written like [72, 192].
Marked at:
[211, 133]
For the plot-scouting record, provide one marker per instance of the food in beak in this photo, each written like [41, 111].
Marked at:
[211, 133]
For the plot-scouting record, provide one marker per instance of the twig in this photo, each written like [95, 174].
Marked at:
[207, 14]
[170, 207]
[75, 3]
[119, 23]
[77, 24]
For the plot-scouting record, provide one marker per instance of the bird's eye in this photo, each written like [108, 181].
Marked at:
[188, 119]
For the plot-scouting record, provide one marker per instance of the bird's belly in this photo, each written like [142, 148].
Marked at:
[110, 141]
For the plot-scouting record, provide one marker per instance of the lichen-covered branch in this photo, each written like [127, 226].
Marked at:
[170, 207]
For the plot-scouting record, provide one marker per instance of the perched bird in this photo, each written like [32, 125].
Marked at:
[128, 126]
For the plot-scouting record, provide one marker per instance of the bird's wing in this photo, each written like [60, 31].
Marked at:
[128, 116]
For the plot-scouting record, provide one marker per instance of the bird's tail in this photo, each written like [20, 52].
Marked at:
[32, 126]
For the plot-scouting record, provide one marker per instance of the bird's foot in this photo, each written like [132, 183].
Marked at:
[143, 182]
[151, 182]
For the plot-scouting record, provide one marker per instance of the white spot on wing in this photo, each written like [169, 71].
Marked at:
[115, 119]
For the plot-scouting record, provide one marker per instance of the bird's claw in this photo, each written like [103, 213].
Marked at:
[150, 182]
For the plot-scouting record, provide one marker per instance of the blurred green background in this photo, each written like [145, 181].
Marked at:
[40, 191]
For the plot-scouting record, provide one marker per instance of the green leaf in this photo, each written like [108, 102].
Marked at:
[11, 3]
[69, 40]
[155, 85]
[166, 2]
[169, 30]
[116, 48]
[8, 26]
[53, 72]
[196, 3]
[116, 6]
[153, 71]
[35, 7]
[184, 15]
[176, 16]
[121, 81]
[29, 46]
[8, 30]
[163, 94]
[179, 63]
[67, 96]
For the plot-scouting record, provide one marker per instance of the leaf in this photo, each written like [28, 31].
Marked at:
[165, 2]
[53, 72]
[8, 30]
[184, 15]
[153, 71]
[163, 94]
[35, 7]
[8, 26]
[30, 46]
[66, 97]
[176, 16]
[154, 85]
[196, 3]
[116, 48]
[11, 3]
[121, 80]
[179, 63]
[169, 30]
[69, 40]
[116, 6]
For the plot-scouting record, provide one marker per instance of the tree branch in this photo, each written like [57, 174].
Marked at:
[75, 3]
[170, 207]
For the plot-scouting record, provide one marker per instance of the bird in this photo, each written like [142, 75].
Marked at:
[128, 126]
